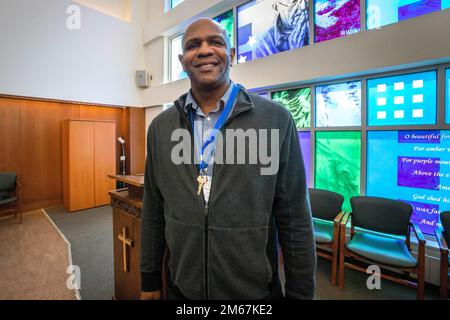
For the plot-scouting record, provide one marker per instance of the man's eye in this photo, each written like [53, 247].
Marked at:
[217, 43]
[191, 46]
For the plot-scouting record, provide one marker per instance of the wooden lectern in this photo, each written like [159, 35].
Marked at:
[127, 206]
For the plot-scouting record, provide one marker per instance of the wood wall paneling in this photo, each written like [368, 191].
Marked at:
[41, 148]
[31, 143]
[137, 140]
[9, 133]
[65, 161]
[126, 136]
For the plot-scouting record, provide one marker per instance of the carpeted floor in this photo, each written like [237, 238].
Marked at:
[356, 288]
[90, 235]
[33, 260]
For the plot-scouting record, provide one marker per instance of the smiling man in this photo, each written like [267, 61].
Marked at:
[218, 224]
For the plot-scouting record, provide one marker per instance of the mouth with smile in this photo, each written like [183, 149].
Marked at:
[206, 65]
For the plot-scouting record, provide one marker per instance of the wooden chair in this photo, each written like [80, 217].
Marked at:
[326, 207]
[10, 195]
[389, 221]
[443, 238]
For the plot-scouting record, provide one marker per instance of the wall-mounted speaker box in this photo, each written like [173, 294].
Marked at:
[142, 79]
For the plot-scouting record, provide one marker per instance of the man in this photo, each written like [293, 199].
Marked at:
[216, 223]
[290, 30]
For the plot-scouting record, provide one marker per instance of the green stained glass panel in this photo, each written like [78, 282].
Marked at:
[298, 102]
[227, 21]
[338, 163]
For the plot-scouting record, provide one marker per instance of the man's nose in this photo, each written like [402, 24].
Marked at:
[205, 50]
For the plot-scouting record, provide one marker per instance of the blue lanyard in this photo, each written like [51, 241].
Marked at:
[217, 126]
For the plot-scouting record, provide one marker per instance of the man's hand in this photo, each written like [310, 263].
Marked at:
[153, 295]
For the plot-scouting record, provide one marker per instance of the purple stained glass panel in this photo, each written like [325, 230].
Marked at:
[305, 145]
[425, 215]
[418, 172]
[336, 18]
[425, 136]
[418, 8]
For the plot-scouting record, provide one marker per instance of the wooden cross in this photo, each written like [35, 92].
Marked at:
[125, 242]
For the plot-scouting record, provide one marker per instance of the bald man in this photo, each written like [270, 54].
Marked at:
[217, 222]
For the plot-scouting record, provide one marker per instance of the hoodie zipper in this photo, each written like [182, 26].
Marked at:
[206, 206]
[205, 224]
[206, 228]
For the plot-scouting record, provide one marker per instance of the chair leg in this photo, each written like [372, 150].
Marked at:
[20, 217]
[421, 289]
[444, 277]
[421, 281]
[342, 261]
[334, 264]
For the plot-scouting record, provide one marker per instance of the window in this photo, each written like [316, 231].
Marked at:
[298, 102]
[401, 100]
[334, 19]
[338, 163]
[412, 166]
[264, 95]
[176, 70]
[382, 12]
[447, 90]
[227, 21]
[174, 3]
[338, 104]
[261, 33]
[304, 138]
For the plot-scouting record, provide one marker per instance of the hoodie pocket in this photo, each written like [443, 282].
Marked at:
[238, 264]
[184, 242]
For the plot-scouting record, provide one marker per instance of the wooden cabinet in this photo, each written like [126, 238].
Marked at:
[89, 156]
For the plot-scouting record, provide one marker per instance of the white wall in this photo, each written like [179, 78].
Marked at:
[41, 57]
[117, 8]
[176, 20]
[156, 51]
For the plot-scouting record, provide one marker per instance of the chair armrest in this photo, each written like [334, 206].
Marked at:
[441, 241]
[418, 233]
[345, 219]
[339, 217]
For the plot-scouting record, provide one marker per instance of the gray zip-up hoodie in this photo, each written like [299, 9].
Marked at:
[228, 249]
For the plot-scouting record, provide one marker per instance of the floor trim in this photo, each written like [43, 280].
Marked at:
[77, 291]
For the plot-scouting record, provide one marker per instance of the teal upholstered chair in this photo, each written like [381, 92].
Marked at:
[10, 197]
[380, 235]
[443, 239]
[326, 208]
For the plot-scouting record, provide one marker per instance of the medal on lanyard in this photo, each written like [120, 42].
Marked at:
[203, 166]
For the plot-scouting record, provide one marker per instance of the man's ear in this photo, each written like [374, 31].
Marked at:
[232, 56]
[180, 58]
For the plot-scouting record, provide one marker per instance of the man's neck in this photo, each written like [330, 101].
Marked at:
[207, 99]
